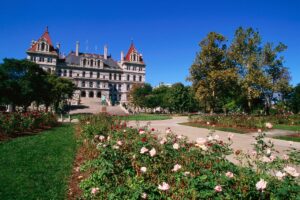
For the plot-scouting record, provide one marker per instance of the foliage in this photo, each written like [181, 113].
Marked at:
[246, 121]
[39, 166]
[135, 164]
[11, 123]
[212, 75]
[245, 76]
[23, 82]
[177, 98]
[295, 99]
[144, 117]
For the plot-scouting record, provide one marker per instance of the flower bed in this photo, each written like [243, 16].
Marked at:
[135, 164]
[246, 121]
[12, 123]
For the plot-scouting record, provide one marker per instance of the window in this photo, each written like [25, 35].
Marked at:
[49, 60]
[91, 84]
[65, 72]
[115, 76]
[128, 77]
[83, 84]
[70, 73]
[120, 77]
[109, 76]
[43, 46]
[98, 84]
[120, 86]
[99, 94]
[98, 74]
[140, 79]
[134, 78]
[84, 62]
[91, 74]
[83, 94]
[98, 63]
[134, 68]
[128, 87]
[83, 74]
[42, 59]
[59, 72]
[91, 94]
[92, 63]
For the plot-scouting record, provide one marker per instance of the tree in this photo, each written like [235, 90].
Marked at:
[245, 52]
[139, 93]
[61, 89]
[277, 74]
[212, 75]
[295, 99]
[23, 81]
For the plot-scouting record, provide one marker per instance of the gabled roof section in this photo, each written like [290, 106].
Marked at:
[47, 39]
[131, 50]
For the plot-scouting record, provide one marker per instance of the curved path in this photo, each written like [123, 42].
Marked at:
[240, 141]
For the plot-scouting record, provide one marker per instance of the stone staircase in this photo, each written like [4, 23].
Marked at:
[90, 105]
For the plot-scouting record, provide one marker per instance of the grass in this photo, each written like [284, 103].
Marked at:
[289, 138]
[37, 167]
[228, 129]
[146, 117]
[286, 127]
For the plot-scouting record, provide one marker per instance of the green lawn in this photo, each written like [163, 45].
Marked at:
[37, 167]
[146, 117]
[228, 129]
[289, 138]
[286, 127]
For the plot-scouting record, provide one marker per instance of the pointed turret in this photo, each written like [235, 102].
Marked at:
[133, 55]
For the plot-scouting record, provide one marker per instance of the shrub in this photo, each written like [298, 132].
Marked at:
[136, 164]
[11, 123]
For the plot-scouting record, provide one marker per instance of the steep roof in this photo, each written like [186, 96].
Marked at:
[46, 37]
[131, 50]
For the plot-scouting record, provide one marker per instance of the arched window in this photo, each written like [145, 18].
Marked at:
[83, 74]
[120, 77]
[99, 94]
[98, 74]
[91, 94]
[140, 79]
[92, 63]
[98, 63]
[83, 94]
[42, 46]
[91, 84]
[109, 76]
[134, 57]
[83, 84]
[128, 77]
[65, 72]
[70, 73]
[91, 74]
[84, 62]
[134, 78]
[115, 76]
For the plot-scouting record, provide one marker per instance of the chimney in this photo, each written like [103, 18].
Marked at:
[32, 43]
[122, 56]
[77, 48]
[105, 52]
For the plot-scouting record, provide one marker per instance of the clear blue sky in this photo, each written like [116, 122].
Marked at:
[166, 32]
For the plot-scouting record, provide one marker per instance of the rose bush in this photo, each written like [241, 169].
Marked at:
[136, 164]
[16, 122]
[246, 121]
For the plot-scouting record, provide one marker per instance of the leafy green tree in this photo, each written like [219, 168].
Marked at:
[277, 74]
[138, 95]
[24, 82]
[245, 52]
[213, 76]
[61, 89]
[295, 99]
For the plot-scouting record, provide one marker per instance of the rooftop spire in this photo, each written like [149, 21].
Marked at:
[46, 30]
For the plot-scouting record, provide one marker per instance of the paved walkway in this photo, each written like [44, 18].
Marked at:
[240, 141]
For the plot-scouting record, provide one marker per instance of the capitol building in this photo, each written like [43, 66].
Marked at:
[95, 75]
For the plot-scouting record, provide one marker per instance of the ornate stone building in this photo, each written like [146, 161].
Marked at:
[95, 75]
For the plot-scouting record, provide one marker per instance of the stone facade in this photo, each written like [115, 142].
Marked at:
[95, 75]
